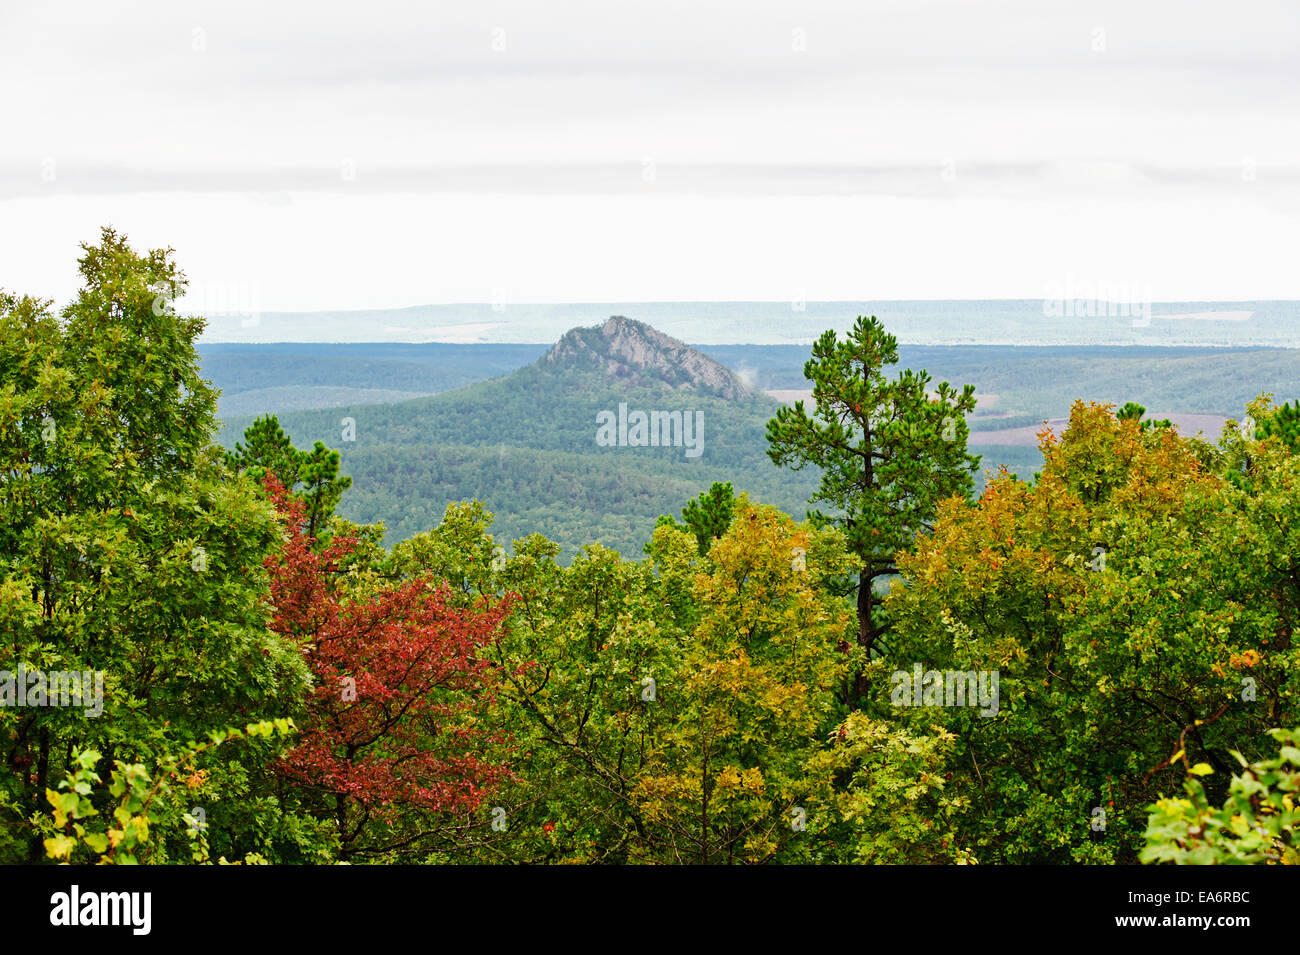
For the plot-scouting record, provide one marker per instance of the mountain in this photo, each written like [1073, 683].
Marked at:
[517, 426]
[610, 428]
[1019, 385]
[633, 351]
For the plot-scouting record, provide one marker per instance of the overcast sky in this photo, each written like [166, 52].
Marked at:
[363, 155]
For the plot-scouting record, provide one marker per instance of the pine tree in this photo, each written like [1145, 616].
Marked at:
[268, 448]
[1132, 411]
[888, 451]
[1283, 422]
[709, 515]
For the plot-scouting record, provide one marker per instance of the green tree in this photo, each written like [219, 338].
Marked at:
[1282, 422]
[266, 447]
[889, 451]
[313, 476]
[1129, 598]
[1259, 821]
[707, 516]
[678, 709]
[126, 551]
[142, 801]
[1132, 411]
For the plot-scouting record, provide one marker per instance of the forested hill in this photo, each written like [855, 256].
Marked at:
[526, 444]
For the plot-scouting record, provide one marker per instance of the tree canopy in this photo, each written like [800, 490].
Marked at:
[1093, 666]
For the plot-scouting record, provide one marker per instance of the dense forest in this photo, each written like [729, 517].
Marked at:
[525, 444]
[411, 456]
[205, 660]
[1032, 381]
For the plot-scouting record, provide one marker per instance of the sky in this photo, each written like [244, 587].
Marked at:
[331, 155]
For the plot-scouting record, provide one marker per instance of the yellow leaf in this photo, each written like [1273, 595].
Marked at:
[59, 847]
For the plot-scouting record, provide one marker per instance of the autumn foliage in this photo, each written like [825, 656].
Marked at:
[392, 722]
[274, 684]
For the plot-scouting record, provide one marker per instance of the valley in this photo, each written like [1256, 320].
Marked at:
[517, 426]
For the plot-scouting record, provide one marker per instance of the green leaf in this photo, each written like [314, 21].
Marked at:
[97, 841]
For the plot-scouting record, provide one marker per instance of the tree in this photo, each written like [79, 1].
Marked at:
[707, 516]
[738, 771]
[1282, 422]
[146, 801]
[393, 743]
[317, 470]
[889, 452]
[680, 709]
[1128, 599]
[268, 448]
[1132, 411]
[127, 554]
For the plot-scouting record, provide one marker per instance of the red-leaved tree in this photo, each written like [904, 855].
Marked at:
[394, 743]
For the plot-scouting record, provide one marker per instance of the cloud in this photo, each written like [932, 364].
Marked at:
[983, 123]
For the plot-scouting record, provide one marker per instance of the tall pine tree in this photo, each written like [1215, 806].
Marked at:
[888, 451]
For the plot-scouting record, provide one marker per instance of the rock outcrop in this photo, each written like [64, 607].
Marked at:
[627, 349]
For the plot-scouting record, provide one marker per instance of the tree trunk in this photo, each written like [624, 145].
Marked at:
[865, 636]
[341, 818]
[35, 846]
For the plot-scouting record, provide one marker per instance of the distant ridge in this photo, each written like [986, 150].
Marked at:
[1271, 324]
[632, 351]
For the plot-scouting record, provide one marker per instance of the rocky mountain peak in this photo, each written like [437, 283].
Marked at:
[624, 348]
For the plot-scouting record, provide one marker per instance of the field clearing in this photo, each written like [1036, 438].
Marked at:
[1207, 426]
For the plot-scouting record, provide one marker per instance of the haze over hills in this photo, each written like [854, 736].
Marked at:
[289, 376]
[1019, 385]
[516, 425]
[1069, 313]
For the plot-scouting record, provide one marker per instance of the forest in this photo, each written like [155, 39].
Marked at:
[525, 445]
[485, 422]
[1093, 663]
